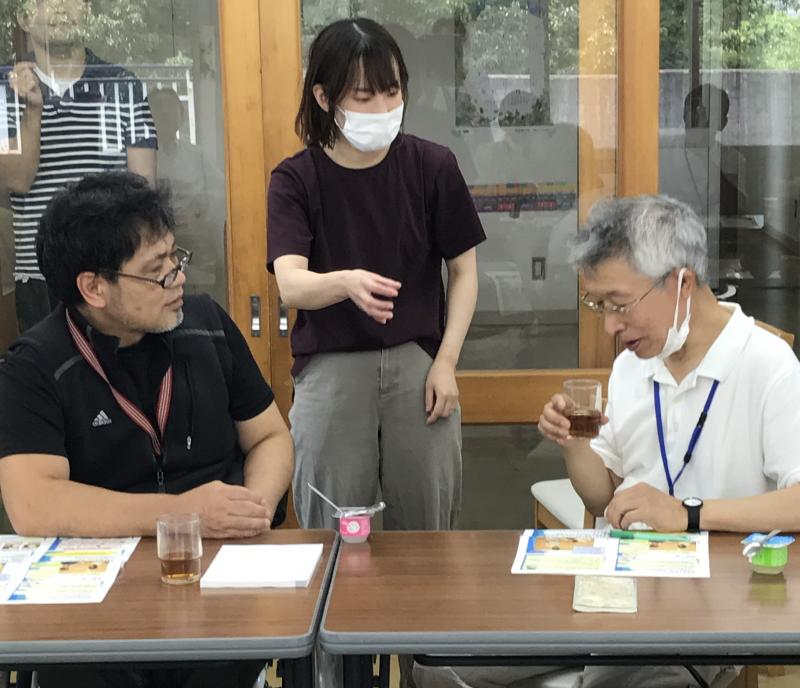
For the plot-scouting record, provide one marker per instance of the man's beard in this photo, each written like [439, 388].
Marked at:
[169, 328]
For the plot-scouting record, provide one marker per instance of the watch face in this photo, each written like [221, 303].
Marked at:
[693, 501]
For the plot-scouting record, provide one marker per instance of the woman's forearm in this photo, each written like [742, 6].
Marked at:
[462, 295]
[312, 290]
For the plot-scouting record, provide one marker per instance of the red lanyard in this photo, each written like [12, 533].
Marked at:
[130, 409]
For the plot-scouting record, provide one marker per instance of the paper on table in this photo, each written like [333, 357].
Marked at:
[20, 547]
[61, 570]
[604, 594]
[55, 580]
[94, 548]
[262, 566]
[571, 552]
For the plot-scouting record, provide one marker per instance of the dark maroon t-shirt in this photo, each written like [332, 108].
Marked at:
[400, 219]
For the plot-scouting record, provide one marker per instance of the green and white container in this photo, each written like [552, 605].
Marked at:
[772, 556]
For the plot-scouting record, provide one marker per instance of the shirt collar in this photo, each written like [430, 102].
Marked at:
[94, 70]
[106, 345]
[722, 355]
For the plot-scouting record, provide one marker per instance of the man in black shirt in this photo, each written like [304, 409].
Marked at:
[129, 401]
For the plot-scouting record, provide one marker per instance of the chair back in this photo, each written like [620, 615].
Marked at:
[787, 337]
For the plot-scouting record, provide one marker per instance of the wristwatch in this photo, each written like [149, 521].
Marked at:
[692, 506]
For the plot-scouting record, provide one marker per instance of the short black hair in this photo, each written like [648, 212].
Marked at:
[95, 225]
[701, 96]
[336, 59]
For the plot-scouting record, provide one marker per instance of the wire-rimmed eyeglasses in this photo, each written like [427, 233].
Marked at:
[182, 258]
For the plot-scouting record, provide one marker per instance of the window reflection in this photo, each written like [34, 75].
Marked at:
[728, 144]
[198, 188]
[76, 98]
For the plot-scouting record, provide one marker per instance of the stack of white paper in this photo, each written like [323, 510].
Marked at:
[262, 566]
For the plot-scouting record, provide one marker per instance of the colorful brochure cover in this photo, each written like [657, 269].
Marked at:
[613, 553]
[64, 570]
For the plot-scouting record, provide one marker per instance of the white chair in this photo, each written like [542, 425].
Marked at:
[557, 505]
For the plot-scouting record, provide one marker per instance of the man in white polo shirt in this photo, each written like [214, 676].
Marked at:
[717, 377]
[703, 414]
[728, 393]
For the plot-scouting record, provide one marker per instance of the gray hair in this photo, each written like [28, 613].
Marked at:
[655, 234]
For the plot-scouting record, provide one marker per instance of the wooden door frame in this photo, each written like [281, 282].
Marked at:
[245, 170]
[261, 71]
[263, 37]
[281, 78]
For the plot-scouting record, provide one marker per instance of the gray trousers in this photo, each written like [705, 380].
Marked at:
[551, 677]
[358, 424]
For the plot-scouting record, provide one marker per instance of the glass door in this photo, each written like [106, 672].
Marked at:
[120, 85]
[729, 142]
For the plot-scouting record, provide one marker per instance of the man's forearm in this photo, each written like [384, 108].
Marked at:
[778, 509]
[589, 475]
[269, 467]
[142, 161]
[19, 170]
[63, 507]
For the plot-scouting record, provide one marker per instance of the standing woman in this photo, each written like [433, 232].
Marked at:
[359, 224]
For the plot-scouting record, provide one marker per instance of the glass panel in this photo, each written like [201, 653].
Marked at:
[497, 82]
[497, 493]
[112, 77]
[729, 143]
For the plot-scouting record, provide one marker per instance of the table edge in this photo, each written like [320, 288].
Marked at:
[543, 643]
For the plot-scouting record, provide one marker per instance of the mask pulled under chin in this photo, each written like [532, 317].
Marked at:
[371, 131]
[676, 336]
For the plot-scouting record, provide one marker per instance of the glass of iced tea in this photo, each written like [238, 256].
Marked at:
[180, 548]
[585, 408]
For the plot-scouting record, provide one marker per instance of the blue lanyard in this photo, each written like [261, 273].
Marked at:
[692, 442]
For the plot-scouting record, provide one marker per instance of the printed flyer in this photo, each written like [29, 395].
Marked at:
[613, 553]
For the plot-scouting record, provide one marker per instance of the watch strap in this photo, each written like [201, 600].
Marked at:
[693, 512]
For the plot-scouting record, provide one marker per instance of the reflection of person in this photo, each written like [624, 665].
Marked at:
[691, 166]
[197, 190]
[644, 264]
[359, 224]
[519, 108]
[85, 446]
[430, 111]
[76, 114]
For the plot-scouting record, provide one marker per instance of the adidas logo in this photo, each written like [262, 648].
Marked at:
[101, 419]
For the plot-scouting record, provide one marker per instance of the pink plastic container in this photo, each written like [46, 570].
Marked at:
[355, 522]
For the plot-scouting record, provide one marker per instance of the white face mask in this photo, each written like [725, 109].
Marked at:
[371, 131]
[676, 336]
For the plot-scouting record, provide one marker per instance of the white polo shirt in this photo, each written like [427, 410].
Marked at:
[750, 443]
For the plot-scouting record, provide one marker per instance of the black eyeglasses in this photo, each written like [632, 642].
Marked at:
[182, 258]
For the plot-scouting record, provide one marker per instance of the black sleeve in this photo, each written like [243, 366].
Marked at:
[249, 393]
[457, 227]
[289, 231]
[31, 420]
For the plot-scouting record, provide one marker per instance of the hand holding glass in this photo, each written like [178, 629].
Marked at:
[180, 548]
[584, 409]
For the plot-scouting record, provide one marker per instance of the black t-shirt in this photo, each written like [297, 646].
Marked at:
[53, 403]
[399, 218]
